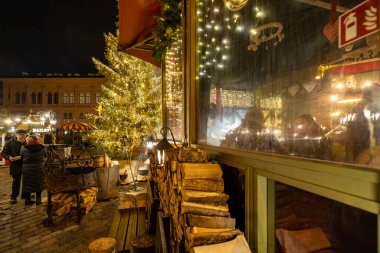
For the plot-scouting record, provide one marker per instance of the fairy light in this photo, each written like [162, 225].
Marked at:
[260, 14]
[253, 31]
[240, 28]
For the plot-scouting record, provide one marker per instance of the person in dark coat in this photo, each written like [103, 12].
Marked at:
[68, 140]
[48, 139]
[11, 152]
[33, 170]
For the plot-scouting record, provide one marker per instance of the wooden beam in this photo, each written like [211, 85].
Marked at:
[324, 5]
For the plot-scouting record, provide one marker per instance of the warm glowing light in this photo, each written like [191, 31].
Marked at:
[334, 98]
[318, 77]
[240, 28]
[8, 121]
[367, 84]
[335, 114]
[349, 100]
[253, 31]
[260, 14]
[340, 86]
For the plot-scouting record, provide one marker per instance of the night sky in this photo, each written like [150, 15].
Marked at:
[53, 36]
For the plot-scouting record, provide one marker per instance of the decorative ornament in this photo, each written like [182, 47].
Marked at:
[235, 5]
[258, 37]
[331, 29]
[310, 86]
[293, 89]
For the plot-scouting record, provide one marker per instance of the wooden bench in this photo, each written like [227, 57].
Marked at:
[126, 225]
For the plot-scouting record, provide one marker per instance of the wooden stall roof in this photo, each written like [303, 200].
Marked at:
[137, 21]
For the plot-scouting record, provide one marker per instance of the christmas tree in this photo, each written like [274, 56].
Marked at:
[130, 101]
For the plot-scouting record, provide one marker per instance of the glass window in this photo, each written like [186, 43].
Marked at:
[81, 98]
[97, 97]
[81, 116]
[174, 89]
[272, 78]
[65, 115]
[71, 97]
[55, 98]
[34, 98]
[17, 98]
[70, 115]
[39, 98]
[88, 98]
[23, 97]
[49, 98]
[66, 98]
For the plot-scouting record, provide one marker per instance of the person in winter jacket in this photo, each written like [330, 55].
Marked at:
[33, 157]
[11, 152]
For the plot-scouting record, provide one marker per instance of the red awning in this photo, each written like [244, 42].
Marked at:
[137, 21]
[356, 67]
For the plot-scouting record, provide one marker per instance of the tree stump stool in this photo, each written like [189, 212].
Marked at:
[143, 244]
[102, 245]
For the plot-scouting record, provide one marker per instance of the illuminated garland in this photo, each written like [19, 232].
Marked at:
[168, 23]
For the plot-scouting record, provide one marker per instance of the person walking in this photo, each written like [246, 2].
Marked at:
[68, 140]
[33, 154]
[48, 139]
[11, 152]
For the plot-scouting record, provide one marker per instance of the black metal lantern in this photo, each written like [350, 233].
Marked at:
[163, 145]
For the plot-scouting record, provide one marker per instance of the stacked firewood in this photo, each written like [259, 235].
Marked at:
[191, 194]
[63, 202]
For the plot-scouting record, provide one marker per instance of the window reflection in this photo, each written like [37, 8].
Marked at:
[272, 80]
[174, 88]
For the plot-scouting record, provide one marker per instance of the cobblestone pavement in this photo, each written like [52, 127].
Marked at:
[21, 228]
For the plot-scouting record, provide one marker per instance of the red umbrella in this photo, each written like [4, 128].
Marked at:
[76, 125]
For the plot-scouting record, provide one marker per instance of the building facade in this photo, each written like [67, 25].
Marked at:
[68, 98]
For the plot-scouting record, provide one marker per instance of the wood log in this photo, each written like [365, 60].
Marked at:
[237, 245]
[201, 170]
[102, 245]
[196, 230]
[204, 209]
[210, 238]
[140, 199]
[210, 221]
[174, 165]
[204, 197]
[208, 185]
[143, 243]
[126, 201]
